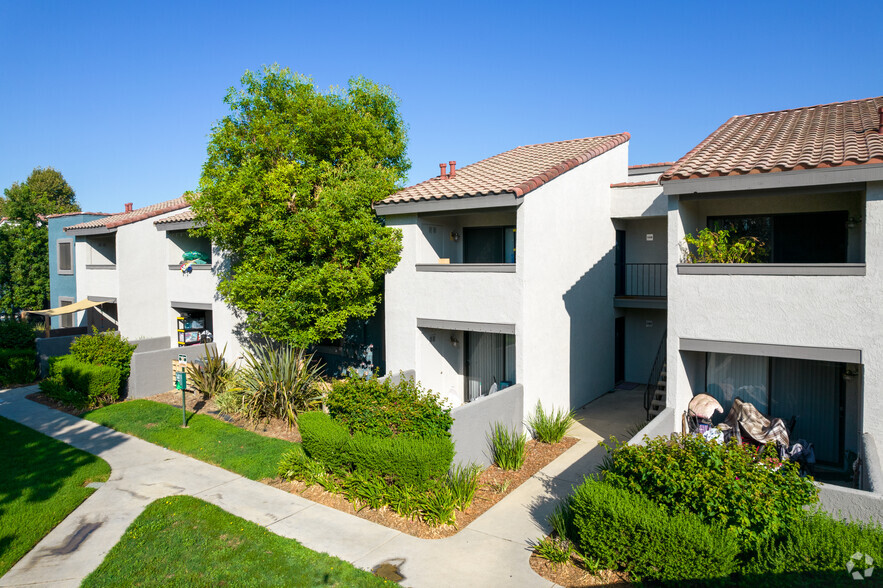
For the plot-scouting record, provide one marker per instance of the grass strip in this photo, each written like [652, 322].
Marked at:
[42, 481]
[184, 541]
[207, 439]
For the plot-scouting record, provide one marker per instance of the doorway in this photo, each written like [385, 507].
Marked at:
[619, 350]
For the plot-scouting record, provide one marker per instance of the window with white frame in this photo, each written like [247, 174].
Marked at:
[67, 320]
[65, 259]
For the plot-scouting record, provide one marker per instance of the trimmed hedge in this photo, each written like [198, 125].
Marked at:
[107, 349]
[630, 532]
[384, 409]
[17, 366]
[93, 384]
[16, 334]
[400, 460]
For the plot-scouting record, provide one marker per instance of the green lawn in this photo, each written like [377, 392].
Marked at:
[184, 541]
[41, 481]
[208, 439]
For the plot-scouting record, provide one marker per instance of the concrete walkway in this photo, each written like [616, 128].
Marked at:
[492, 551]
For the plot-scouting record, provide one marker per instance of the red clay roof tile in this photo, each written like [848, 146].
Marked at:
[125, 218]
[826, 135]
[517, 171]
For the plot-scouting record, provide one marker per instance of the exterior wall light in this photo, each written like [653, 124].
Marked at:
[455, 236]
[853, 221]
[454, 341]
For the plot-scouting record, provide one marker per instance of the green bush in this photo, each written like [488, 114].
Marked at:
[54, 387]
[816, 543]
[93, 385]
[551, 427]
[401, 460]
[107, 349]
[629, 532]
[16, 334]
[507, 447]
[212, 377]
[324, 439]
[17, 366]
[732, 484]
[278, 381]
[385, 409]
[463, 482]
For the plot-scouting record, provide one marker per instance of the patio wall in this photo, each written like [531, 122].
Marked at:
[152, 370]
[473, 423]
[52, 347]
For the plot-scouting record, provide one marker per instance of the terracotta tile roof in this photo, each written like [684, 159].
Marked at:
[517, 171]
[630, 184]
[643, 165]
[125, 218]
[61, 214]
[827, 135]
[187, 215]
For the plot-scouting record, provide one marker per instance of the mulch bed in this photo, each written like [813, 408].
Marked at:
[494, 483]
[574, 575]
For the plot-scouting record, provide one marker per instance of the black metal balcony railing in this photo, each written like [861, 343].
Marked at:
[641, 279]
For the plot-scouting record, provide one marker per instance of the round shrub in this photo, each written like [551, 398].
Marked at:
[108, 349]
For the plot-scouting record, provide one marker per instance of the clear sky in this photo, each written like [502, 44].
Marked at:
[121, 96]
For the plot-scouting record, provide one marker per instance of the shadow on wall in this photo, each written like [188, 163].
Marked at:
[589, 302]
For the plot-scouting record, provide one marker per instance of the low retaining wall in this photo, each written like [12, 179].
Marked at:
[52, 347]
[152, 370]
[399, 376]
[154, 344]
[473, 423]
[872, 474]
[851, 504]
[662, 425]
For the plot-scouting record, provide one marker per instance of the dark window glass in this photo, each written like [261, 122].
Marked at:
[64, 257]
[489, 244]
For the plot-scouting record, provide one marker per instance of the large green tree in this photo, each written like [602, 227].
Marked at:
[24, 238]
[287, 191]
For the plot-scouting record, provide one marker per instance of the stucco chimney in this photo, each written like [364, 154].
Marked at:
[453, 165]
[443, 173]
[128, 207]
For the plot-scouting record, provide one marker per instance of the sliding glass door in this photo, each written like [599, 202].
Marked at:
[490, 359]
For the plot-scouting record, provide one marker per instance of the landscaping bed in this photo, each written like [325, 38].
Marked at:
[43, 481]
[494, 485]
[184, 541]
[573, 574]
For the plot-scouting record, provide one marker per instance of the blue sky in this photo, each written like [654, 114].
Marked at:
[121, 96]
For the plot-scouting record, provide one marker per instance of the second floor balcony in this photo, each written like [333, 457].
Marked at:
[641, 285]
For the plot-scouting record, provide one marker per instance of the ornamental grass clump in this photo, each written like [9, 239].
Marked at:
[211, 377]
[278, 381]
[507, 447]
[550, 427]
[744, 489]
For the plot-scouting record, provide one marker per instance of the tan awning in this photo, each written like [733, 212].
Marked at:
[75, 307]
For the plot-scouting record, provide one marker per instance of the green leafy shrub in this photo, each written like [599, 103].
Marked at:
[212, 376]
[365, 489]
[439, 507]
[561, 520]
[324, 439]
[401, 460]
[815, 543]
[630, 532]
[54, 387]
[729, 484]
[404, 500]
[551, 427]
[91, 385]
[16, 334]
[278, 381]
[107, 349]
[17, 366]
[507, 447]
[717, 247]
[385, 409]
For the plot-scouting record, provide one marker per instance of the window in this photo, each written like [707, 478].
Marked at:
[489, 244]
[65, 261]
[490, 359]
[803, 237]
[67, 320]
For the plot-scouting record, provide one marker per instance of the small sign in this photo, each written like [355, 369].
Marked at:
[182, 358]
[649, 324]
[649, 236]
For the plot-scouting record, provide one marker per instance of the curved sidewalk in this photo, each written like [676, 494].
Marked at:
[492, 551]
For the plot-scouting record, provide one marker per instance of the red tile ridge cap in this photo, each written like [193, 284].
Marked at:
[643, 165]
[804, 107]
[567, 165]
[629, 184]
[60, 214]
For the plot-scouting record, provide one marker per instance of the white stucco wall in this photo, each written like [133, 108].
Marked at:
[840, 312]
[637, 201]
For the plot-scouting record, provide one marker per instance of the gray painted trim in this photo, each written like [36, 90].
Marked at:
[499, 268]
[86, 232]
[507, 329]
[658, 303]
[197, 266]
[191, 305]
[101, 299]
[643, 171]
[449, 204]
[58, 243]
[771, 269]
[175, 226]
[767, 181]
[772, 350]
[101, 266]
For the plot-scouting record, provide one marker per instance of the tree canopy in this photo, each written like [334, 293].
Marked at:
[287, 191]
[24, 239]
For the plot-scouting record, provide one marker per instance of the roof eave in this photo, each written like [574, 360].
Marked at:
[86, 231]
[477, 202]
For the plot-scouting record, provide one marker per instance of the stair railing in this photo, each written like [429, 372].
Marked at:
[655, 374]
